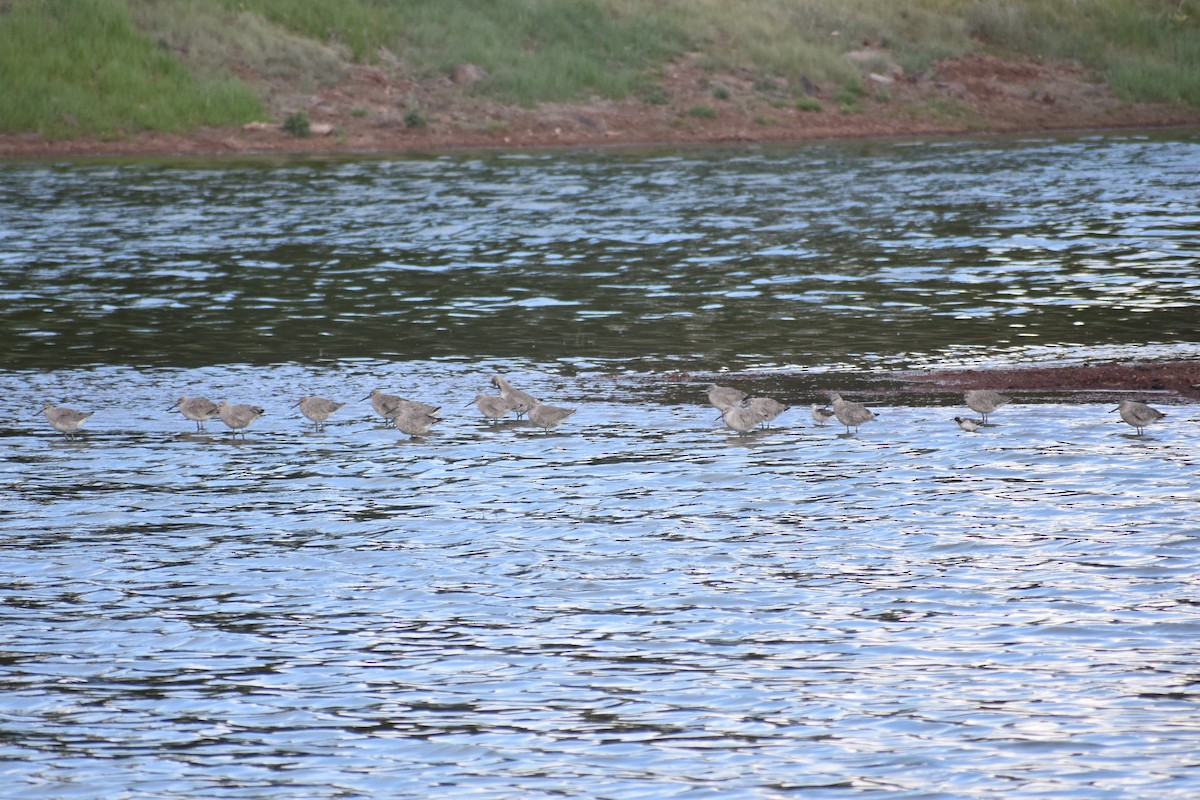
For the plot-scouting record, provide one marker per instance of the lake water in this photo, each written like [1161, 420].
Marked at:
[639, 603]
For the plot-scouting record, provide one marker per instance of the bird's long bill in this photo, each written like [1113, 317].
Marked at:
[1113, 409]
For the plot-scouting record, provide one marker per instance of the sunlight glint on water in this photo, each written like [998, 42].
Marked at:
[639, 603]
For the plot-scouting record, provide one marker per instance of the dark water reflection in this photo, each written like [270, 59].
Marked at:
[845, 255]
[639, 604]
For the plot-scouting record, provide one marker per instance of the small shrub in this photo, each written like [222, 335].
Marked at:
[721, 91]
[654, 96]
[848, 98]
[297, 124]
[415, 118]
[702, 112]
[808, 104]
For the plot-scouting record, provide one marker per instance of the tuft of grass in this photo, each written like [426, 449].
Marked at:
[78, 67]
[940, 109]
[415, 118]
[808, 104]
[701, 111]
[850, 96]
[654, 96]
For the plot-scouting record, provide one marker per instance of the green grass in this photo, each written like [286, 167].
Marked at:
[77, 67]
[110, 67]
[1147, 50]
[533, 50]
[210, 39]
[554, 50]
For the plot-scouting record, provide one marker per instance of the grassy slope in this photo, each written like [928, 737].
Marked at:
[106, 67]
[74, 67]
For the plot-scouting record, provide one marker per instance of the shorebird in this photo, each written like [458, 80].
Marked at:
[390, 406]
[821, 414]
[238, 416]
[318, 409]
[984, 401]
[65, 420]
[415, 422]
[547, 417]
[197, 409]
[851, 414]
[724, 398]
[968, 424]
[384, 404]
[766, 408]
[492, 406]
[522, 402]
[741, 419]
[1139, 415]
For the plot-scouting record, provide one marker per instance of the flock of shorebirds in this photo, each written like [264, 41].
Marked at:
[743, 413]
[740, 411]
[408, 416]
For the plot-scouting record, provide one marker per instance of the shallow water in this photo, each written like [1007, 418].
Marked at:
[639, 603]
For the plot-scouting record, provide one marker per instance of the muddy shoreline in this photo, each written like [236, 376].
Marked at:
[364, 114]
[1161, 383]
[1164, 382]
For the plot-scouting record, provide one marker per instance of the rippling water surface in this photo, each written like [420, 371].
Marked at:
[639, 603]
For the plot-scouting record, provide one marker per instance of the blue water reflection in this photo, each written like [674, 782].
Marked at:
[701, 257]
[639, 603]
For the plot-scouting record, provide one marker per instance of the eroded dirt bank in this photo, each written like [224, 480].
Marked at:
[366, 113]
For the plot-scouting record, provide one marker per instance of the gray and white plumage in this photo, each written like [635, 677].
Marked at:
[238, 416]
[766, 408]
[390, 406]
[493, 406]
[741, 419]
[821, 415]
[197, 409]
[968, 424]
[724, 398]
[384, 404]
[1139, 415]
[851, 414]
[65, 420]
[522, 402]
[415, 422]
[318, 409]
[984, 401]
[547, 417]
